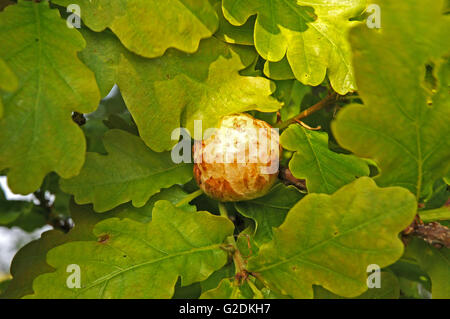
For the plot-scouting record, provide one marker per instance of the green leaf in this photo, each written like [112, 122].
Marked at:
[8, 81]
[192, 291]
[279, 70]
[432, 215]
[325, 171]
[412, 290]
[34, 253]
[102, 55]
[216, 277]
[147, 257]
[234, 34]
[436, 263]
[11, 209]
[85, 219]
[403, 125]
[23, 214]
[4, 283]
[110, 114]
[177, 89]
[438, 197]
[229, 289]
[292, 94]
[389, 289]
[270, 210]
[312, 35]
[165, 93]
[130, 171]
[143, 214]
[150, 27]
[37, 132]
[336, 237]
[407, 268]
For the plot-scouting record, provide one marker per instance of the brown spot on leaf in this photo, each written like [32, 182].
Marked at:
[103, 239]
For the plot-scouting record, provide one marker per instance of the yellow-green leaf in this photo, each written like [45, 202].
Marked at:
[436, 263]
[403, 78]
[389, 289]
[177, 89]
[85, 219]
[37, 133]
[150, 27]
[311, 34]
[336, 237]
[325, 171]
[149, 258]
[130, 171]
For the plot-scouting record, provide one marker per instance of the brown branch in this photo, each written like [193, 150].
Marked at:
[286, 176]
[433, 233]
[329, 99]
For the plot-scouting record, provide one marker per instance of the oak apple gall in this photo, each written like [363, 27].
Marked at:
[239, 161]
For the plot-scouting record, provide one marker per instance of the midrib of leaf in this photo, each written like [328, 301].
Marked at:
[319, 244]
[132, 179]
[158, 260]
[119, 231]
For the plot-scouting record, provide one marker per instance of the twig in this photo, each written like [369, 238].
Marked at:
[316, 107]
[239, 262]
[286, 176]
[433, 233]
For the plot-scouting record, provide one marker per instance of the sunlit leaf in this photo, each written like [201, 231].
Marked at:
[403, 125]
[336, 237]
[37, 133]
[130, 171]
[311, 34]
[150, 27]
[148, 257]
[325, 171]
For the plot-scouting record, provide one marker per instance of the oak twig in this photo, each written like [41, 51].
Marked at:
[433, 233]
[286, 176]
[330, 98]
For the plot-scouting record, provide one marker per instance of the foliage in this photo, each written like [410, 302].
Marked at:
[89, 115]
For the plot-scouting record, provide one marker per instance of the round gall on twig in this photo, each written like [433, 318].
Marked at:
[239, 161]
